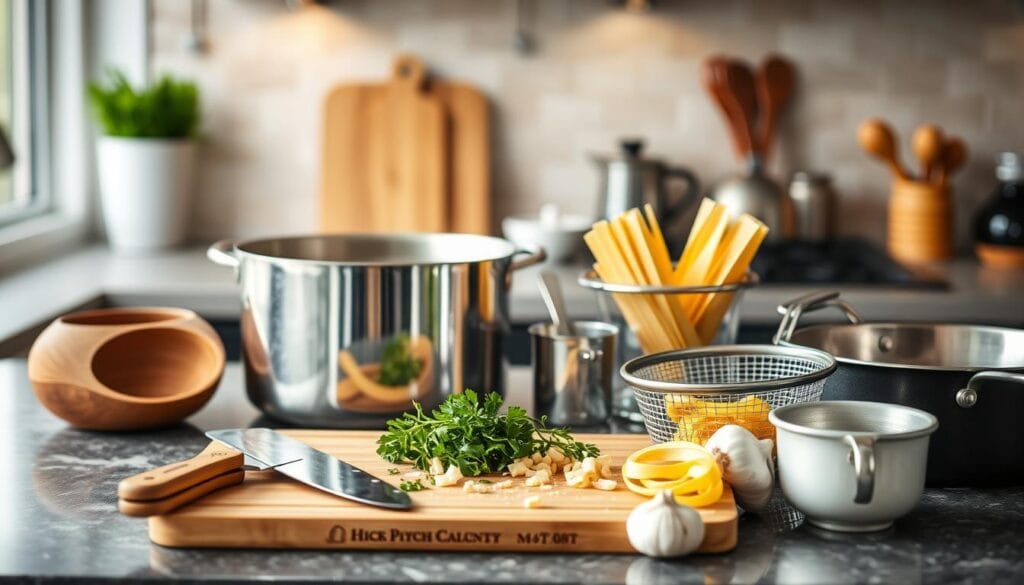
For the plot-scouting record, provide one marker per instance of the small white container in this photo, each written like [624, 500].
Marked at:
[852, 466]
[561, 236]
[146, 190]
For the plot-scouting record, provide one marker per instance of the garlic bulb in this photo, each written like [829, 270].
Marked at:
[662, 528]
[746, 464]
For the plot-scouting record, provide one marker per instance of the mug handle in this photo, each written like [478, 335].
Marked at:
[676, 209]
[223, 253]
[863, 459]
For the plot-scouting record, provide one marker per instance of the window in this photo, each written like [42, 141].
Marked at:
[23, 109]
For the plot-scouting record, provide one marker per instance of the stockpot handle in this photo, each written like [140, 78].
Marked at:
[223, 253]
[967, 396]
[535, 255]
[792, 311]
[863, 460]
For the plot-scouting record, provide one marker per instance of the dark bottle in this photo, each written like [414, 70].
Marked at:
[999, 224]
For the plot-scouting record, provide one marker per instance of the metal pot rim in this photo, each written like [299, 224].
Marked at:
[920, 367]
[775, 417]
[472, 249]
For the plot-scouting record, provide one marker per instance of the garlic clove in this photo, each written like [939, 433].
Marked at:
[746, 464]
[661, 527]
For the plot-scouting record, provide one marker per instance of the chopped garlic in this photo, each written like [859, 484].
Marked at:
[577, 478]
[469, 486]
[503, 485]
[532, 502]
[414, 475]
[436, 466]
[606, 484]
[540, 478]
[517, 469]
[556, 454]
[448, 478]
[547, 486]
[589, 465]
[536, 457]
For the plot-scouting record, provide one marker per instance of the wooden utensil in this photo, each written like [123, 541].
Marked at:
[127, 368]
[928, 145]
[740, 82]
[385, 155]
[877, 139]
[954, 154]
[269, 511]
[715, 75]
[775, 81]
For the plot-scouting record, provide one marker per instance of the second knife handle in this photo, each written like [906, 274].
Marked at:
[164, 481]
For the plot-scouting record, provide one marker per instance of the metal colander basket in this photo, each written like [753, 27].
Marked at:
[686, 395]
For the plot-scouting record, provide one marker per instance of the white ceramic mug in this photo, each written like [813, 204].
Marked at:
[852, 466]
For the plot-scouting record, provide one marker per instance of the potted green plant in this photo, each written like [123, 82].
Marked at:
[145, 159]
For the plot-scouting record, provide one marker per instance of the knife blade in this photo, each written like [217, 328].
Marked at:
[312, 467]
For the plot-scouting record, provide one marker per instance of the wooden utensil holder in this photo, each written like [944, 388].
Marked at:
[920, 222]
[125, 369]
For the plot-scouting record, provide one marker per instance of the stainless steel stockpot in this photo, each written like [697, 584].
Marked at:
[318, 313]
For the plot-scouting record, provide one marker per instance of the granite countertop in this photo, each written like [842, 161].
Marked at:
[94, 276]
[60, 524]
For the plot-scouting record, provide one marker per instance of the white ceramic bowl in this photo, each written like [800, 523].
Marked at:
[852, 466]
[562, 241]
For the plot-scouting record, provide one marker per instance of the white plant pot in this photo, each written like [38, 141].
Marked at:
[146, 191]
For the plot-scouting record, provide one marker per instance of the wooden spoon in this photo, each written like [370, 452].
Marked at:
[954, 153]
[714, 76]
[877, 139]
[928, 145]
[775, 81]
[740, 83]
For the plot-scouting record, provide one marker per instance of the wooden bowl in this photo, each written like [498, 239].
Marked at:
[126, 369]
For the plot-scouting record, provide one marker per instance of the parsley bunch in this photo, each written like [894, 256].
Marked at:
[473, 436]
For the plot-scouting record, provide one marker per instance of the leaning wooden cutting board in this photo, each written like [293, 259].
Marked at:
[270, 511]
[385, 155]
[408, 154]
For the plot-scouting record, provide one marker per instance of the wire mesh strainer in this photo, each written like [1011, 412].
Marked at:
[686, 395]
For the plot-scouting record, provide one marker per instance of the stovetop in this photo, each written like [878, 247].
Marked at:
[843, 261]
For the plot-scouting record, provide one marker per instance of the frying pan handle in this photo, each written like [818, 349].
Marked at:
[968, 396]
[793, 310]
[863, 459]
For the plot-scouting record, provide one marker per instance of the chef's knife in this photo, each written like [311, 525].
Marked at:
[314, 468]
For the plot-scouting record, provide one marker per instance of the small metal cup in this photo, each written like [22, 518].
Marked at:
[573, 374]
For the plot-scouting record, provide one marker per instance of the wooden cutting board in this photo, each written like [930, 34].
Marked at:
[410, 154]
[270, 511]
[385, 163]
[470, 150]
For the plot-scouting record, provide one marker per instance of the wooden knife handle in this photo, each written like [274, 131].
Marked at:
[172, 502]
[170, 479]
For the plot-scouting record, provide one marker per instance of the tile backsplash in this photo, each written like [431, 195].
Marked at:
[597, 73]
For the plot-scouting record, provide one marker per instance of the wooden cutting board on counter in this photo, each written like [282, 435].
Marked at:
[408, 154]
[271, 511]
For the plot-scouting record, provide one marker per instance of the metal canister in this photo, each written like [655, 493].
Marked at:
[813, 202]
[572, 374]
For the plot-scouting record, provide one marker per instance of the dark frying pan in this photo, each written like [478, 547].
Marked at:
[969, 376]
